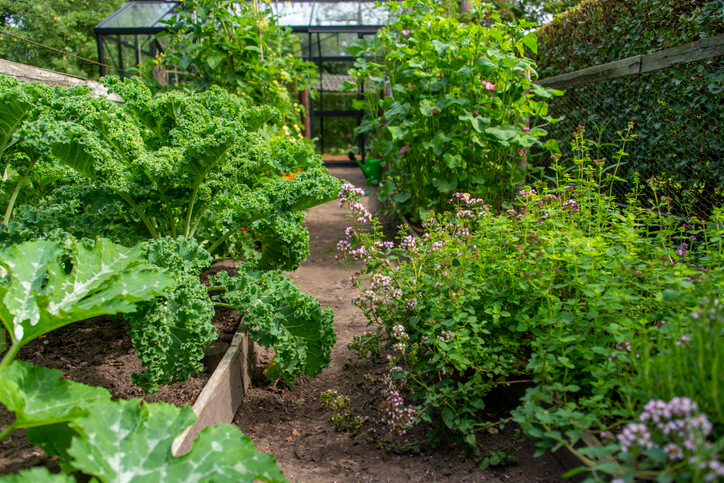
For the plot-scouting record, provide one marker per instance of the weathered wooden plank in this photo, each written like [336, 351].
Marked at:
[29, 73]
[692, 52]
[223, 393]
[620, 68]
[707, 48]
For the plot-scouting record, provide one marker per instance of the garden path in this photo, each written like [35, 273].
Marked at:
[292, 425]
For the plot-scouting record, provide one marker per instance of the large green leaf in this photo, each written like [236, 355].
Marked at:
[124, 441]
[48, 286]
[281, 316]
[38, 396]
[223, 454]
[77, 148]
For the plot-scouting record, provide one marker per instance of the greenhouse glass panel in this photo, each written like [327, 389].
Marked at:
[138, 16]
[329, 14]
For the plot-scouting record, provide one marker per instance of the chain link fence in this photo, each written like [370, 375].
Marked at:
[676, 106]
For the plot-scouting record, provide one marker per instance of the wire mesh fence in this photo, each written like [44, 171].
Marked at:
[677, 115]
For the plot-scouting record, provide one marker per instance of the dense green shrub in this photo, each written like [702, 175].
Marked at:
[451, 104]
[677, 111]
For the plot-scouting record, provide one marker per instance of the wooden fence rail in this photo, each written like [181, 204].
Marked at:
[28, 73]
[700, 50]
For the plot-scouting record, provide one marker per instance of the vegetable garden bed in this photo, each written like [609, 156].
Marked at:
[99, 352]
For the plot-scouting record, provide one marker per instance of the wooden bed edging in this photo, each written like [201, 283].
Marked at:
[222, 395]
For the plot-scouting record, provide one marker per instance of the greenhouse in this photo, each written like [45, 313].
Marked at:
[325, 30]
[345, 241]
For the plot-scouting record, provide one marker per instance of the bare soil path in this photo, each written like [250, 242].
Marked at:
[292, 424]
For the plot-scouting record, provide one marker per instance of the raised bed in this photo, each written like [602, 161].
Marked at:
[223, 393]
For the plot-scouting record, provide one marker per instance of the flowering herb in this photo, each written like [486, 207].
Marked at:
[560, 292]
[670, 441]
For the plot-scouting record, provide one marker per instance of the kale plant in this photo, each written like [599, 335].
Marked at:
[47, 285]
[194, 166]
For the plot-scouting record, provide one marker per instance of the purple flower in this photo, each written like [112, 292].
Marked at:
[404, 149]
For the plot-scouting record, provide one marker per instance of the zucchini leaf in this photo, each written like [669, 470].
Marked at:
[47, 286]
[39, 473]
[126, 441]
[38, 396]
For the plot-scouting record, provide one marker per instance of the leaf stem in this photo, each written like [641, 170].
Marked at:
[141, 214]
[221, 240]
[7, 431]
[9, 357]
[192, 201]
[222, 305]
[16, 191]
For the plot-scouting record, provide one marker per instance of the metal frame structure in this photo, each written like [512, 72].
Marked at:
[118, 33]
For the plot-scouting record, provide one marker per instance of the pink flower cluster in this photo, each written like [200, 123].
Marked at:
[572, 205]
[396, 415]
[349, 196]
[677, 428]
[489, 85]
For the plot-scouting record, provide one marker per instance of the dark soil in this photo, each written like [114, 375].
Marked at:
[291, 422]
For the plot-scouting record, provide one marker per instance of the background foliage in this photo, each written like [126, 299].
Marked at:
[239, 47]
[449, 103]
[66, 25]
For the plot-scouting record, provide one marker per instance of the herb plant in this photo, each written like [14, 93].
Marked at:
[669, 441]
[559, 294]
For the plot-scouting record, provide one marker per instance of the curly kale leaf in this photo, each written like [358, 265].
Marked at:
[279, 315]
[80, 210]
[284, 241]
[17, 101]
[170, 333]
[309, 188]
[178, 254]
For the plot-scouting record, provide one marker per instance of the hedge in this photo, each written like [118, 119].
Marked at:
[677, 112]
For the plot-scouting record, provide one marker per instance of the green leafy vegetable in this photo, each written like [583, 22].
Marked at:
[279, 315]
[127, 441]
[38, 396]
